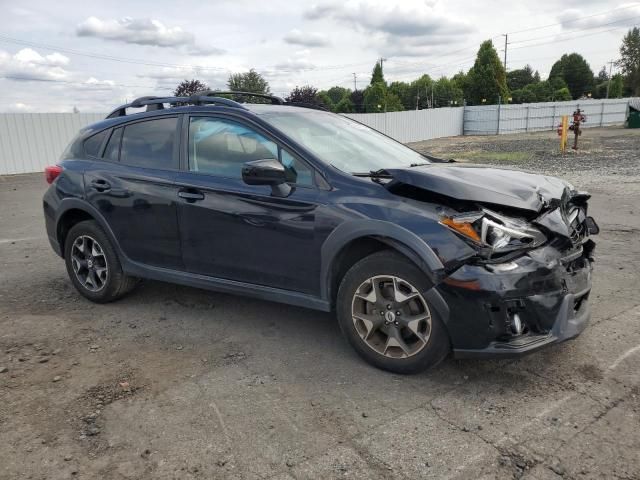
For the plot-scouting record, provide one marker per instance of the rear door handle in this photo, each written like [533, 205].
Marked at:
[191, 195]
[100, 185]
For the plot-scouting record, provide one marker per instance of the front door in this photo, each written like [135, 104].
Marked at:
[240, 232]
[133, 187]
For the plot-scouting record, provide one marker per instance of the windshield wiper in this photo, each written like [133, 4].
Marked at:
[380, 173]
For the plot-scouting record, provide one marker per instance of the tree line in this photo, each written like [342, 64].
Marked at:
[486, 82]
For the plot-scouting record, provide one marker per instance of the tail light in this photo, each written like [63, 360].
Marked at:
[52, 172]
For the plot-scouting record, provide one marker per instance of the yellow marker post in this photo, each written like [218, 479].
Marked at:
[564, 126]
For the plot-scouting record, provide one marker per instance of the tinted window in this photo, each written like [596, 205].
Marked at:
[221, 147]
[150, 144]
[113, 146]
[93, 143]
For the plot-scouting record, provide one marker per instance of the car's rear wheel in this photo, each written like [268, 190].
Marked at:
[383, 313]
[93, 265]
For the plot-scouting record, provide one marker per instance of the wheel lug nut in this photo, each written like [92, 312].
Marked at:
[382, 313]
[397, 323]
[398, 312]
[388, 307]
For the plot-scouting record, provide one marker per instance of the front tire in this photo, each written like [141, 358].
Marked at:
[384, 315]
[93, 265]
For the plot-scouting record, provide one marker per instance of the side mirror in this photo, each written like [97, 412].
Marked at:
[267, 172]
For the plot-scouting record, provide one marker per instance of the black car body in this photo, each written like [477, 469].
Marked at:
[294, 242]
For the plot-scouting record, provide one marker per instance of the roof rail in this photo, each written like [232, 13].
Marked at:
[275, 100]
[157, 103]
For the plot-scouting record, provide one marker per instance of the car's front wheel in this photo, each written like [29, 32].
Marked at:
[93, 265]
[384, 315]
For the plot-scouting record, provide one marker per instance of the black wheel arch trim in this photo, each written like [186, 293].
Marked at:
[79, 204]
[389, 233]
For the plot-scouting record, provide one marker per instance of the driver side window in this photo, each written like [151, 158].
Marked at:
[221, 147]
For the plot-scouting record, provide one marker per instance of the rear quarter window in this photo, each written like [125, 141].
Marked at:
[93, 144]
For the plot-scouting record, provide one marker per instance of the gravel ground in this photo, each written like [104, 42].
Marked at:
[173, 382]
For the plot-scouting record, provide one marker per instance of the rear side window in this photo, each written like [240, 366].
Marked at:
[94, 142]
[113, 146]
[150, 144]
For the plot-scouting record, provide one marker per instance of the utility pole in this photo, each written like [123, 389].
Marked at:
[417, 98]
[355, 82]
[506, 37]
[381, 62]
[609, 82]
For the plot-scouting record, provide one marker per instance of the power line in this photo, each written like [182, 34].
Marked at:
[570, 32]
[575, 19]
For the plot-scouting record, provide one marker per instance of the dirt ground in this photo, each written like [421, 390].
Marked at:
[174, 382]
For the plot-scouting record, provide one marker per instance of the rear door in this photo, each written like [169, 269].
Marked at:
[133, 185]
[241, 232]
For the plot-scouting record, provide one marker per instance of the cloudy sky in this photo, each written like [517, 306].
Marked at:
[55, 55]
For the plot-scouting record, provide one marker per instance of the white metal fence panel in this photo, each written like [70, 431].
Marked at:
[31, 141]
[492, 119]
[415, 125]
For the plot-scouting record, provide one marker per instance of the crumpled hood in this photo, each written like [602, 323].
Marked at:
[511, 188]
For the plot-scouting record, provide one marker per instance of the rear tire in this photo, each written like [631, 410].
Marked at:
[93, 265]
[383, 314]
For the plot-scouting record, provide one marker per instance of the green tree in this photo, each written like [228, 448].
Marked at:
[629, 61]
[357, 98]
[616, 89]
[576, 72]
[377, 76]
[393, 103]
[377, 98]
[345, 105]
[404, 92]
[337, 93]
[189, 87]
[487, 78]
[374, 96]
[446, 93]
[306, 94]
[250, 81]
[421, 89]
[326, 101]
[517, 79]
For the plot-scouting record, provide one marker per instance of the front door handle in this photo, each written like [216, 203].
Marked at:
[100, 185]
[191, 195]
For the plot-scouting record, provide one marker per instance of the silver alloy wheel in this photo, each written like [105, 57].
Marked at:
[89, 263]
[391, 316]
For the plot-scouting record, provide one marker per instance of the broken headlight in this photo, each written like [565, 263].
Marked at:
[494, 231]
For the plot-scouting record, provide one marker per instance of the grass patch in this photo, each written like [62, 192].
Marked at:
[480, 156]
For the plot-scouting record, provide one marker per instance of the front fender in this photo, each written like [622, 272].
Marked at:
[394, 235]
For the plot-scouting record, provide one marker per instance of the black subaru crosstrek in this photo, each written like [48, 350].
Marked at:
[417, 256]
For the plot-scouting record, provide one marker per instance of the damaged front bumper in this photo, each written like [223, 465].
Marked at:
[517, 307]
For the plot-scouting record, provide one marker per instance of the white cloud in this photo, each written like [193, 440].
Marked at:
[143, 31]
[623, 15]
[404, 20]
[306, 39]
[27, 64]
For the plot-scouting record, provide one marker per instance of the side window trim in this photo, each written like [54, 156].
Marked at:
[215, 115]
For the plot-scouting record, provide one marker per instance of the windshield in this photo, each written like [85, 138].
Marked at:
[342, 142]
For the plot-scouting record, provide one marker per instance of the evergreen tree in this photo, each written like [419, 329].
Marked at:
[630, 61]
[487, 78]
[377, 76]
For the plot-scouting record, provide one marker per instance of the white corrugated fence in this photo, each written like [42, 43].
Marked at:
[531, 117]
[415, 125]
[31, 141]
